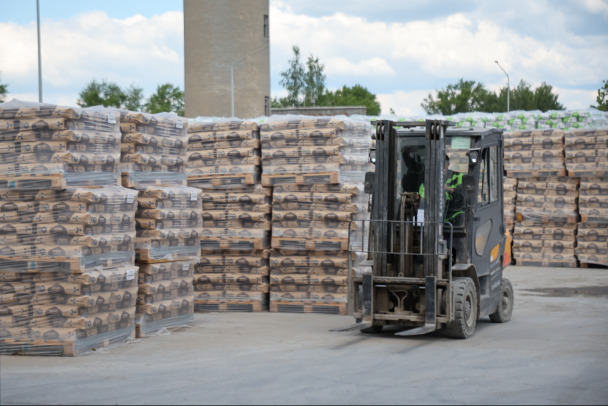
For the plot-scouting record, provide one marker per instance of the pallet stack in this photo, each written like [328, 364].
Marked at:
[534, 153]
[153, 149]
[68, 282]
[510, 194]
[302, 160]
[169, 223]
[587, 157]
[169, 226]
[45, 146]
[547, 215]
[546, 199]
[592, 236]
[224, 162]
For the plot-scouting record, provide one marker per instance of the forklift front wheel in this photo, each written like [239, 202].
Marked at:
[465, 309]
[505, 304]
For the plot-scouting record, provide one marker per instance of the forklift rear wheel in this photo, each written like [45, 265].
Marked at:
[465, 309]
[505, 304]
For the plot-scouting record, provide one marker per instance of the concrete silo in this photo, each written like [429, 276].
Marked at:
[227, 58]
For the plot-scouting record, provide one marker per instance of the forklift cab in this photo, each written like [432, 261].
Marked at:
[476, 154]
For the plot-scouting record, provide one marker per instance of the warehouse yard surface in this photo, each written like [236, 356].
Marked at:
[552, 352]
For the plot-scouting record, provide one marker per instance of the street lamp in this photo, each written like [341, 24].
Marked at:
[508, 86]
[39, 57]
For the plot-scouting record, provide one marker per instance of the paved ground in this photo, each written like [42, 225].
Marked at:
[554, 351]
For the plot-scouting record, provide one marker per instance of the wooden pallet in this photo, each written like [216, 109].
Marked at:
[300, 179]
[597, 265]
[219, 180]
[303, 307]
[152, 256]
[587, 173]
[586, 218]
[55, 181]
[163, 179]
[41, 264]
[547, 263]
[57, 264]
[536, 173]
[233, 244]
[173, 323]
[229, 306]
[65, 348]
[301, 244]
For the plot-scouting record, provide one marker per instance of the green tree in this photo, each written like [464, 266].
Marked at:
[134, 99]
[602, 97]
[462, 97]
[293, 79]
[166, 99]
[546, 99]
[468, 95]
[305, 86]
[102, 94]
[314, 82]
[352, 96]
[3, 91]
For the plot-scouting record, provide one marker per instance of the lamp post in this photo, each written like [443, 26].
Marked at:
[508, 86]
[39, 57]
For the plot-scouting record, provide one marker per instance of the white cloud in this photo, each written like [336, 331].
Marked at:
[405, 104]
[368, 67]
[142, 51]
[575, 99]
[596, 6]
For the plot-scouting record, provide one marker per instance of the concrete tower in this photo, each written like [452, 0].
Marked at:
[227, 58]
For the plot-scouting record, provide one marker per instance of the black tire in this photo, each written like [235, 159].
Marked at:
[505, 304]
[465, 309]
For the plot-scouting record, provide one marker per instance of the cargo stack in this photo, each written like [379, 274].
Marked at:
[586, 153]
[546, 200]
[534, 153]
[68, 283]
[518, 153]
[592, 236]
[169, 222]
[45, 146]
[224, 162]
[153, 149]
[169, 226]
[547, 215]
[303, 159]
[510, 194]
[587, 157]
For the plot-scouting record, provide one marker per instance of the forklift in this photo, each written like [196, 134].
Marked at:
[436, 251]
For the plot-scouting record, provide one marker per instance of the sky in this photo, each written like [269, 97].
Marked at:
[401, 50]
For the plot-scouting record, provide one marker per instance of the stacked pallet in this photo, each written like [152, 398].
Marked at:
[224, 162]
[586, 152]
[68, 283]
[304, 159]
[510, 195]
[153, 163]
[223, 154]
[169, 225]
[546, 214]
[592, 236]
[153, 149]
[45, 146]
[534, 153]
[587, 157]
